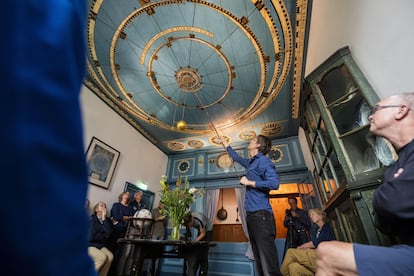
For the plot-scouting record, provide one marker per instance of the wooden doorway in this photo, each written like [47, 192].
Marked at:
[231, 229]
[278, 201]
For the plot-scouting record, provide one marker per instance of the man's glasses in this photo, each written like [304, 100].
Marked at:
[379, 107]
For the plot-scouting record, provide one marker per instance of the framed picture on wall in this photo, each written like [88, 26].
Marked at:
[102, 160]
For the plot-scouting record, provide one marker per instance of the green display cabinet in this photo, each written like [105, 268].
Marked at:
[349, 161]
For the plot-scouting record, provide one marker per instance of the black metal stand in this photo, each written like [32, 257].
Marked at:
[290, 236]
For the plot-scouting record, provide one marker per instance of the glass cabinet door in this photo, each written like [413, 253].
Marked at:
[348, 111]
[336, 104]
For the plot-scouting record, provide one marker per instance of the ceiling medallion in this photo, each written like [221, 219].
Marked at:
[177, 146]
[247, 135]
[188, 79]
[195, 144]
[215, 140]
[272, 129]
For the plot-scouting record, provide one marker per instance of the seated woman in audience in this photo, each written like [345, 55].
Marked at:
[121, 213]
[302, 260]
[100, 233]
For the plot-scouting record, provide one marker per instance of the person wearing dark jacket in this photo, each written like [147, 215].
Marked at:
[99, 236]
[298, 224]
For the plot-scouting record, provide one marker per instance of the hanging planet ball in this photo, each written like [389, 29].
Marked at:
[181, 125]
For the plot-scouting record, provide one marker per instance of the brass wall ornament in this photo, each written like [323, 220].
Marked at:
[183, 166]
[224, 161]
[275, 154]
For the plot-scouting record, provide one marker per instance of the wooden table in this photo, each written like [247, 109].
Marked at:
[142, 249]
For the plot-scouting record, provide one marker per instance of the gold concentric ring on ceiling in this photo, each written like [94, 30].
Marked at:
[217, 51]
[140, 113]
[259, 104]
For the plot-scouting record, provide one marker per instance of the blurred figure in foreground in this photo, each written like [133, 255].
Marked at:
[42, 68]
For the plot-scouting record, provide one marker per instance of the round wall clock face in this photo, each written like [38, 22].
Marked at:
[224, 161]
[275, 154]
[183, 166]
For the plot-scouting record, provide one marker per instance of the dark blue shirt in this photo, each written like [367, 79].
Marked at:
[324, 234]
[118, 211]
[300, 222]
[261, 170]
[99, 232]
[137, 205]
[393, 200]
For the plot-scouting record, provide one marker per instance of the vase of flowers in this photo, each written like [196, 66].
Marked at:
[177, 201]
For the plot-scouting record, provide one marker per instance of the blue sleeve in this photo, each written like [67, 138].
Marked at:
[43, 65]
[237, 158]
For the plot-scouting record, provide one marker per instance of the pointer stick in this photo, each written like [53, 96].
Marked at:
[215, 130]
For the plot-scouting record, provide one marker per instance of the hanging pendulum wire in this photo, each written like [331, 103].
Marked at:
[175, 111]
[208, 118]
[185, 98]
[215, 130]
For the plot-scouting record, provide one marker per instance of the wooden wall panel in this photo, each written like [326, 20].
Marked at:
[228, 233]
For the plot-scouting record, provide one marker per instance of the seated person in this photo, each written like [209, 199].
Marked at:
[137, 203]
[160, 222]
[99, 237]
[302, 260]
[198, 222]
[121, 213]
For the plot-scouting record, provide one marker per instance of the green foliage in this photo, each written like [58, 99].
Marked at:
[177, 200]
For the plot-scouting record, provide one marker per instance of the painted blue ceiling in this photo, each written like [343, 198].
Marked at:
[229, 68]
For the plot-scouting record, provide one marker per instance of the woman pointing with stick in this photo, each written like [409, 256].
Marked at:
[260, 178]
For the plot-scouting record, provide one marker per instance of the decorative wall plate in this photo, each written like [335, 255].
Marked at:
[195, 144]
[247, 135]
[224, 161]
[183, 166]
[176, 146]
[272, 129]
[385, 151]
[364, 112]
[275, 154]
